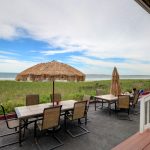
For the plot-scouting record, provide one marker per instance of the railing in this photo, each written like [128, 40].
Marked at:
[144, 113]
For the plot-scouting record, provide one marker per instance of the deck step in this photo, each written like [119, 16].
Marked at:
[138, 141]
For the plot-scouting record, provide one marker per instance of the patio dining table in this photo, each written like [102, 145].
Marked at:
[26, 112]
[108, 98]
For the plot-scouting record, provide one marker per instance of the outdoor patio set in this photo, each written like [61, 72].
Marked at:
[56, 114]
[46, 116]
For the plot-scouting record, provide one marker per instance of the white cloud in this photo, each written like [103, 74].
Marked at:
[14, 65]
[66, 49]
[106, 67]
[7, 52]
[104, 29]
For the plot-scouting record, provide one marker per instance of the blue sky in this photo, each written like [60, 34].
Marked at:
[92, 36]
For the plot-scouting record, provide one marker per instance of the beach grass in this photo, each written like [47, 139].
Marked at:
[13, 93]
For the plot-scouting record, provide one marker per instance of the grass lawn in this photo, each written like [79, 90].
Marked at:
[13, 93]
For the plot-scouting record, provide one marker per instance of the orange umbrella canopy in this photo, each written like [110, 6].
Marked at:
[51, 71]
[115, 83]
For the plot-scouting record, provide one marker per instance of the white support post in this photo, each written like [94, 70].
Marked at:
[147, 112]
[142, 115]
[144, 104]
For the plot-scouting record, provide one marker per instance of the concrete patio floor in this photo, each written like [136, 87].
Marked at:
[106, 131]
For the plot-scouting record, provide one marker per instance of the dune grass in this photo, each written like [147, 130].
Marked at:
[13, 93]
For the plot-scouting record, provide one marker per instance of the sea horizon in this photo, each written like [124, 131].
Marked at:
[89, 77]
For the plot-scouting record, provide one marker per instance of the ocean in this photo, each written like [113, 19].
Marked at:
[7, 76]
[89, 77]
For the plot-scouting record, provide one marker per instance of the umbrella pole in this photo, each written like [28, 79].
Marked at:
[53, 92]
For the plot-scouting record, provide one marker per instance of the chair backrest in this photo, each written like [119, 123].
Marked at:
[32, 99]
[99, 92]
[123, 101]
[136, 97]
[79, 110]
[51, 117]
[87, 98]
[5, 117]
[57, 97]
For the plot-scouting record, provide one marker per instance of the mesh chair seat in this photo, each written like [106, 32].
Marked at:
[13, 123]
[32, 99]
[123, 103]
[99, 92]
[78, 112]
[51, 119]
[134, 102]
[57, 97]
[97, 100]
[87, 98]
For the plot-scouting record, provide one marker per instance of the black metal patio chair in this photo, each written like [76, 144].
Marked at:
[134, 101]
[51, 120]
[11, 124]
[32, 99]
[123, 104]
[78, 112]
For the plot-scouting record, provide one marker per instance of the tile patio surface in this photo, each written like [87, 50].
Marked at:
[106, 131]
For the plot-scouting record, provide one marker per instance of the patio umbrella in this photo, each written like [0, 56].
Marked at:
[115, 83]
[51, 71]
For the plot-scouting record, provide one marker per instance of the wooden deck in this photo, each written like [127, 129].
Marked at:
[139, 141]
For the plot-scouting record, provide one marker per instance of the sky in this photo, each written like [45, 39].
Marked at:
[90, 35]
